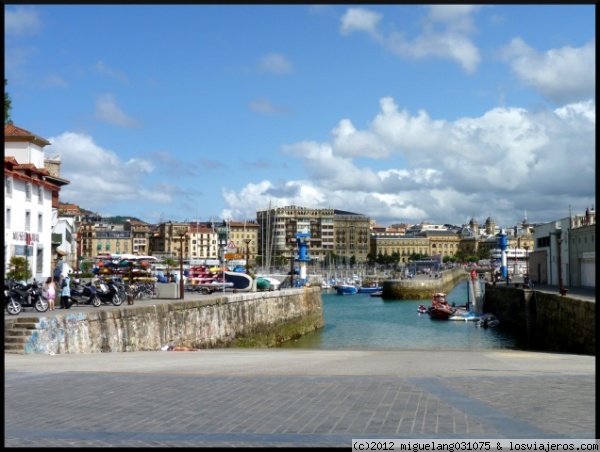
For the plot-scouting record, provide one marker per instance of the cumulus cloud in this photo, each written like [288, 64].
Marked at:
[445, 34]
[99, 178]
[566, 74]
[21, 21]
[108, 111]
[494, 164]
[360, 19]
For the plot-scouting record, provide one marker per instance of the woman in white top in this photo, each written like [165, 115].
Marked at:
[49, 289]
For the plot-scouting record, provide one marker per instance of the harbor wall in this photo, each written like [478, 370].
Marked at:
[422, 288]
[251, 319]
[544, 321]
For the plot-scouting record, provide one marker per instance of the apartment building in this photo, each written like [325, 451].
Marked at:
[30, 202]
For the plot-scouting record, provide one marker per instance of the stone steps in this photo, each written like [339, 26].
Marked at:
[18, 333]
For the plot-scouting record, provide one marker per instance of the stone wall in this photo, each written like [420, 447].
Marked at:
[422, 289]
[257, 319]
[544, 321]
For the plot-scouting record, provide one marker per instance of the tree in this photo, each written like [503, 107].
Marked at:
[7, 104]
[18, 268]
[169, 262]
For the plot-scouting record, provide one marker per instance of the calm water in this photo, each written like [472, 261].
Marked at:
[364, 322]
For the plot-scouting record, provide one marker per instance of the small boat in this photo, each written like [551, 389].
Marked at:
[422, 309]
[371, 289]
[440, 309]
[487, 321]
[346, 289]
[240, 281]
[377, 294]
[266, 283]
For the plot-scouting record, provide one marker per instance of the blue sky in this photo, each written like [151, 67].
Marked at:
[404, 113]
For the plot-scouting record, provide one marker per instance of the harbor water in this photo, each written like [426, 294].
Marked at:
[361, 321]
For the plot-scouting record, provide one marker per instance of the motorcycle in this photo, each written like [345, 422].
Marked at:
[28, 295]
[108, 292]
[13, 307]
[82, 294]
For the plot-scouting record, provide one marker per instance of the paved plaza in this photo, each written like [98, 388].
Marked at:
[294, 397]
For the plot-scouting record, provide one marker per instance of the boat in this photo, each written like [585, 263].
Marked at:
[422, 309]
[440, 309]
[267, 283]
[346, 289]
[371, 289]
[487, 321]
[241, 282]
[377, 294]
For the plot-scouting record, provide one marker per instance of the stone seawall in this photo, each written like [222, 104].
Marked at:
[257, 319]
[544, 321]
[422, 288]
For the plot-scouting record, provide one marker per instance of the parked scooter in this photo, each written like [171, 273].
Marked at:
[108, 292]
[13, 307]
[28, 295]
[81, 294]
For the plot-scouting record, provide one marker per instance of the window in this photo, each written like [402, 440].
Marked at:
[8, 185]
[8, 217]
[40, 223]
[28, 191]
[27, 220]
[40, 191]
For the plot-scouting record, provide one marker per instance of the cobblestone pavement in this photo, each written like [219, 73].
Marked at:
[282, 397]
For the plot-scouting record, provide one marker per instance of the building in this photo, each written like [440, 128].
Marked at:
[30, 202]
[565, 252]
[352, 235]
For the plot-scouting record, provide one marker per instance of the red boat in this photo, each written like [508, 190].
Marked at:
[440, 309]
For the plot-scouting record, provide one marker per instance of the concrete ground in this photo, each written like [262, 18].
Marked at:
[293, 397]
[284, 397]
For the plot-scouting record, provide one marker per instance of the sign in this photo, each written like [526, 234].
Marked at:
[230, 256]
[231, 245]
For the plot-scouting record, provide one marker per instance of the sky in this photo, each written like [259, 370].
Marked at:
[403, 113]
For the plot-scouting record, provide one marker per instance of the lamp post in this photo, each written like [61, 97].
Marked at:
[292, 266]
[247, 242]
[182, 234]
[526, 266]
[559, 240]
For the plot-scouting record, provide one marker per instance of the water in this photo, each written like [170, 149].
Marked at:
[364, 322]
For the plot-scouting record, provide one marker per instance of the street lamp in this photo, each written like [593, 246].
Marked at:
[182, 234]
[247, 242]
[527, 283]
[559, 240]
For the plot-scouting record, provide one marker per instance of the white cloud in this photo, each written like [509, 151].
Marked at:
[360, 19]
[21, 22]
[99, 178]
[275, 63]
[108, 111]
[451, 42]
[563, 75]
[501, 163]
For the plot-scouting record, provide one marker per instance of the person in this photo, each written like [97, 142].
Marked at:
[49, 289]
[65, 292]
[57, 275]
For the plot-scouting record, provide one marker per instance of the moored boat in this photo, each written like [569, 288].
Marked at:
[346, 289]
[377, 294]
[370, 289]
[422, 309]
[440, 309]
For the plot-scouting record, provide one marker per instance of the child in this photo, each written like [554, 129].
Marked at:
[49, 289]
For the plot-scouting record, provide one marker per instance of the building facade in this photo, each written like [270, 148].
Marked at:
[30, 202]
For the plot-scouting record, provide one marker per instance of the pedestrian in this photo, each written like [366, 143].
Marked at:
[57, 275]
[65, 292]
[49, 290]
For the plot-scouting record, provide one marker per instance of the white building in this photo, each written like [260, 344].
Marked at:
[30, 201]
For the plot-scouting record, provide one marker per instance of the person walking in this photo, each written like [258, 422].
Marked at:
[49, 289]
[65, 292]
